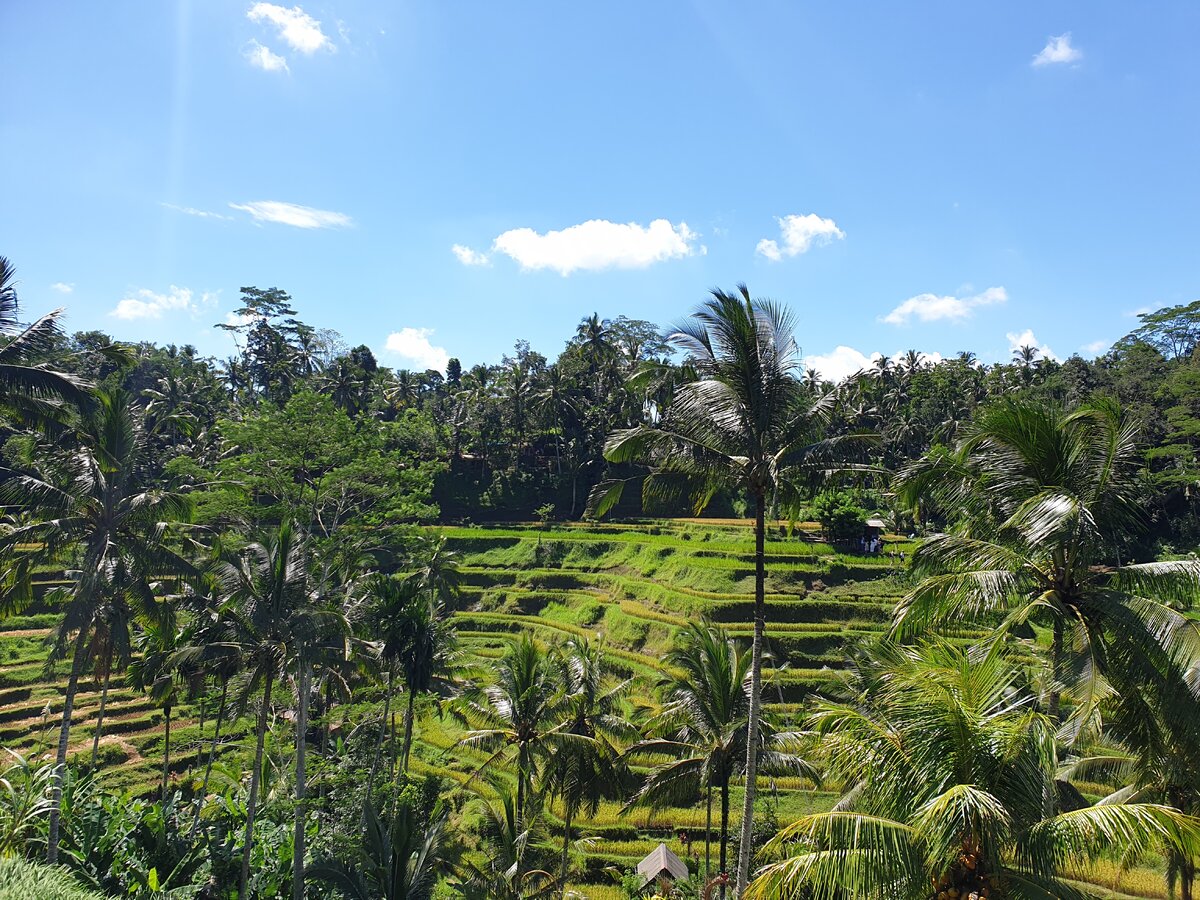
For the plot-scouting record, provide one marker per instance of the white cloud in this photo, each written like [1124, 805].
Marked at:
[1058, 50]
[63, 287]
[298, 29]
[840, 363]
[598, 244]
[799, 234]
[264, 58]
[1095, 348]
[145, 304]
[1027, 339]
[192, 211]
[412, 345]
[931, 307]
[292, 214]
[469, 257]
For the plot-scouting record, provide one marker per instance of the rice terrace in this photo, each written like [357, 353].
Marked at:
[698, 451]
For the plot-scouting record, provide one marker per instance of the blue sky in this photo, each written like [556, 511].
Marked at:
[447, 178]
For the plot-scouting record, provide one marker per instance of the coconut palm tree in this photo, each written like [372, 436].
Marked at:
[584, 773]
[702, 725]
[156, 672]
[745, 424]
[1043, 499]
[947, 763]
[93, 500]
[510, 838]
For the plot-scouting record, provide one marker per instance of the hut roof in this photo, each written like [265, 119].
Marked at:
[662, 861]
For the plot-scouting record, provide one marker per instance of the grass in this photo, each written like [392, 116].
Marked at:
[23, 880]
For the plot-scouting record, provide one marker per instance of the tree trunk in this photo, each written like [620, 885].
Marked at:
[387, 705]
[254, 779]
[301, 746]
[1056, 652]
[408, 725]
[745, 849]
[64, 736]
[708, 833]
[100, 717]
[724, 829]
[392, 751]
[566, 847]
[212, 752]
[166, 750]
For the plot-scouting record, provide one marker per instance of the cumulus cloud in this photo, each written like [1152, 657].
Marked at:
[469, 257]
[1058, 50]
[799, 234]
[293, 214]
[296, 28]
[412, 345]
[63, 287]
[264, 58]
[598, 244]
[932, 308]
[192, 211]
[840, 363]
[1095, 348]
[146, 304]
[1027, 338]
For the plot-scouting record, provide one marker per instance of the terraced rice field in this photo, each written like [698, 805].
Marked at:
[633, 584]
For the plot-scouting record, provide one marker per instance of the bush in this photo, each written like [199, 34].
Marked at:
[840, 516]
[22, 880]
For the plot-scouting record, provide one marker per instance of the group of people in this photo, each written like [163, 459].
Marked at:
[871, 544]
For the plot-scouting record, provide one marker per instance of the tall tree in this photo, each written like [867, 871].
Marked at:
[745, 424]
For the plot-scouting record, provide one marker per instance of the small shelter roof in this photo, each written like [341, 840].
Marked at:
[662, 861]
[876, 523]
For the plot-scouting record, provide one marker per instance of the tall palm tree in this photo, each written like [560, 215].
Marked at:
[584, 773]
[947, 764]
[30, 389]
[428, 657]
[274, 617]
[702, 725]
[156, 672]
[510, 838]
[1043, 498]
[94, 500]
[745, 424]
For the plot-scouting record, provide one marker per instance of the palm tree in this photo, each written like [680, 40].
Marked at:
[510, 838]
[584, 773]
[429, 653]
[703, 725]
[275, 617]
[155, 671]
[745, 424]
[397, 862]
[31, 390]
[1044, 497]
[947, 764]
[94, 500]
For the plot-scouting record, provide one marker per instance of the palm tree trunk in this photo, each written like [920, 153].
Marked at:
[166, 750]
[760, 580]
[387, 705]
[212, 752]
[64, 736]
[254, 779]
[301, 744]
[392, 751]
[724, 829]
[708, 833]
[566, 845]
[1056, 652]
[100, 717]
[408, 725]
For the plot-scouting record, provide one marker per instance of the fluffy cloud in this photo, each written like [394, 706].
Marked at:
[412, 345]
[298, 29]
[263, 58]
[145, 304]
[1058, 50]
[931, 307]
[840, 363]
[1027, 338]
[62, 287]
[469, 257]
[799, 234]
[596, 244]
[292, 214]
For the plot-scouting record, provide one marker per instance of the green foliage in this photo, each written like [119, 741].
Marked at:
[840, 516]
[24, 880]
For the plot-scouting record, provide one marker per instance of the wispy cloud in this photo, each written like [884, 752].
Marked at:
[799, 234]
[592, 246]
[146, 304]
[63, 287]
[412, 345]
[200, 213]
[295, 27]
[264, 58]
[932, 308]
[293, 214]
[1095, 348]
[469, 257]
[1027, 338]
[1058, 51]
